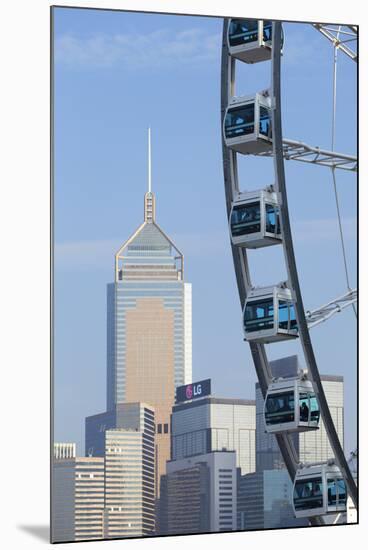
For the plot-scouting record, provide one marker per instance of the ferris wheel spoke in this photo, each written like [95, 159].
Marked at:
[332, 33]
[321, 314]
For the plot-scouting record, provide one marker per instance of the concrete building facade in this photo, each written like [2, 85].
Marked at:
[129, 483]
[215, 424]
[199, 494]
[77, 499]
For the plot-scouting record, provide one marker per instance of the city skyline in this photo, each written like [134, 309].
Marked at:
[78, 256]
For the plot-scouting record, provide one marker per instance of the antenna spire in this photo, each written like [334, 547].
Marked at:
[149, 161]
[149, 198]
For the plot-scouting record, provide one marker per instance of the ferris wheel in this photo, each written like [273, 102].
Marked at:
[252, 125]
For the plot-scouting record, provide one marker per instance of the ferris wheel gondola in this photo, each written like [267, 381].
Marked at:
[319, 490]
[291, 405]
[247, 124]
[254, 219]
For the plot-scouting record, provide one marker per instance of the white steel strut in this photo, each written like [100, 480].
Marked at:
[321, 314]
[297, 150]
[341, 36]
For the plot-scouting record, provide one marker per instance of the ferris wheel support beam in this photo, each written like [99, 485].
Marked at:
[333, 35]
[240, 260]
[293, 279]
[321, 314]
[297, 150]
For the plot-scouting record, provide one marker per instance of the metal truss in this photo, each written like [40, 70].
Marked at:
[297, 150]
[340, 36]
[317, 316]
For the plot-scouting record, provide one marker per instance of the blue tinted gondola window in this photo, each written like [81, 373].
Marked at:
[336, 492]
[259, 315]
[308, 494]
[272, 219]
[242, 31]
[287, 320]
[279, 408]
[245, 219]
[267, 31]
[240, 121]
[314, 408]
[303, 407]
[341, 488]
[265, 122]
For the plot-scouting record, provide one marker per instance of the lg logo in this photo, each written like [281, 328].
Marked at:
[193, 390]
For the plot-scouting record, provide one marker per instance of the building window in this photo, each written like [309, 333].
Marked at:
[159, 428]
[166, 428]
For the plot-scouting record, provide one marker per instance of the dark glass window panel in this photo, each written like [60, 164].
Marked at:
[304, 407]
[265, 122]
[267, 31]
[166, 428]
[242, 31]
[308, 494]
[287, 320]
[259, 315]
[246, 219]
[272, 219]
[280, 408]
[240, 121]
[159, 428]
[314, 408]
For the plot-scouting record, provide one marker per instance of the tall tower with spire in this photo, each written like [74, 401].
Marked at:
[149, 325]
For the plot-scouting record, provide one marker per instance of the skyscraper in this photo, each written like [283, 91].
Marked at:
[215, 424]
[77, 497]
[199, 494]
[149, 326]
[130, 477]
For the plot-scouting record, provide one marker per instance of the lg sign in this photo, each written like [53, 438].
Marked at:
[193, 391]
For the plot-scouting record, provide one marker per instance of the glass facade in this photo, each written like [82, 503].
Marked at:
[149, 324]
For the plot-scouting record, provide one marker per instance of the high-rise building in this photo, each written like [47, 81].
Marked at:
[149, 328]
[129, 483]
[77, 498]
[198, 494]
[210, 424]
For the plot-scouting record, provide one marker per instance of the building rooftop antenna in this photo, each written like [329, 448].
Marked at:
[149, 161]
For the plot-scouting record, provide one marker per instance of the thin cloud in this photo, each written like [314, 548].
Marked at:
[161, 48]
[99, 254]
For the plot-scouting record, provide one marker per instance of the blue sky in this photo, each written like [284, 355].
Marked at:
[117, 73]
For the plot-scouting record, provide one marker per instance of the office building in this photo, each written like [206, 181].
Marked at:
[198, 494]
[129, 483]
[149, 327]
[77, 498]
[211, 424]
[131, 416]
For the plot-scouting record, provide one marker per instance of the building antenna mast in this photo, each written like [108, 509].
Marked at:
[149, 160]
